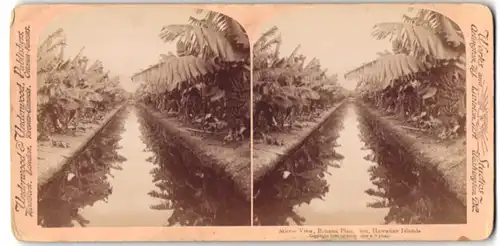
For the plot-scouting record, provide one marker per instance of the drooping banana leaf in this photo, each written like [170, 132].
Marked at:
[418, 40]
[387, 68]
[289, 60]
[429, 92]
[282, 101]
[214, 93]
[440, 24]
[308, 93]
[51, 51]
[95, 97]
[263, 56]
[264, 37]
[202, 41]
[69, 103]
[236, 32]
[175, 70]
[292, 93]
[225, 24]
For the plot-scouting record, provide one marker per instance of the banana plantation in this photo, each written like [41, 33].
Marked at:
[381, 144]
[286, 90]
[71, 92]
[192, 111]
[422, 80]
[206, 84]
[314, 142]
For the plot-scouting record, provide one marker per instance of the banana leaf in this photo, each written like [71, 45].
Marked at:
[291, 92]
[282, 101]
[308, 93]
[69, 103]
[429, 92]
[215, 94]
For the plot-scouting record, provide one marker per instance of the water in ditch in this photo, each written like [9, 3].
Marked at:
[134, 174]
[349, 173]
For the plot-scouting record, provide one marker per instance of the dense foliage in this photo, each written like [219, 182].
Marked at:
[423, 79]
[207, 82]
[196, 195]
[285, 89]
[84, 181]
[71, 93]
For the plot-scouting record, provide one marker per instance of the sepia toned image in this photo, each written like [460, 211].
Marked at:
[251, 122]
[143, 119]
[359, 124]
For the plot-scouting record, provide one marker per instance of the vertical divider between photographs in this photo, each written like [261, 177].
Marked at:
[251, 136]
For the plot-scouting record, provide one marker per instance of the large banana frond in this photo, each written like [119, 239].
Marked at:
[308, 93]
[263, 39]
[289, 60]
[417, 40]
[452, 33]
[175, 70]
[50, 51]
[387, 68]
[97, 66]
[225, 24]
[262, 55]
[275, 73]
[268, 74]
[202, 41]
[265, 46]
[441, 25]
[235, 32]
[324, 83]
[312, 64]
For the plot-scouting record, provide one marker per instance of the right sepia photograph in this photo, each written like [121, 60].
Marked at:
[359, 117]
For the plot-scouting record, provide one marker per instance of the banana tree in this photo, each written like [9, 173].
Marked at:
[66, 87]
[219, 38]
[286, 88]
[211, 65]
[271, 99]
[426, 65]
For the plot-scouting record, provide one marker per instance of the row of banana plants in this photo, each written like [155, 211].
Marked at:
[206, 83]
[422, 80]
[71, 93]
[286, 90]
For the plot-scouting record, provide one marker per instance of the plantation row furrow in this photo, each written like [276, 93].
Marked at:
[55, 154]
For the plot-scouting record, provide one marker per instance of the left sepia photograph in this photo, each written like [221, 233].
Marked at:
[143, 119]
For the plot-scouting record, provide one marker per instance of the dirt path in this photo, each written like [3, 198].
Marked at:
[266, 156]
[445, 158]
[51, 159]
